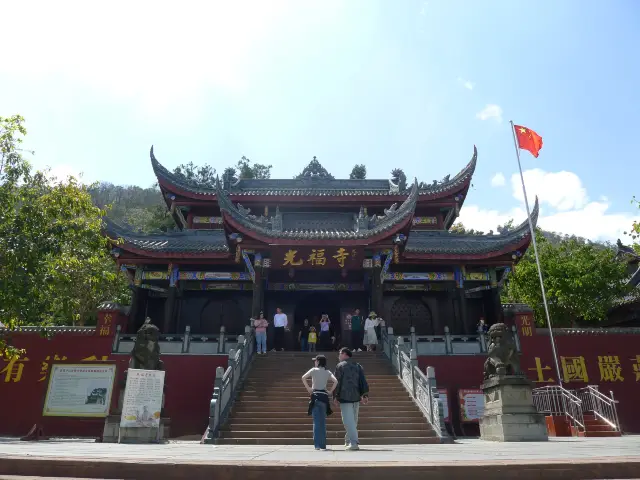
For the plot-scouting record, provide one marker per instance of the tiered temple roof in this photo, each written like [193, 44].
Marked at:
[312, 228]
[312, 186]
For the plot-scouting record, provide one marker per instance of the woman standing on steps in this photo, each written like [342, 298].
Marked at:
[319, 406]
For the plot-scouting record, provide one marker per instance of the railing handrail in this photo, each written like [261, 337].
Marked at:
[568, 393]
[595, 399]
[227, 383]
[569, 405]
[421, 387]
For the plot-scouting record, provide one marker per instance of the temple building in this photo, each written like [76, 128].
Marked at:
[314, 245]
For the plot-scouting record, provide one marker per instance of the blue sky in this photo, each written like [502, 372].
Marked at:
[411, 84]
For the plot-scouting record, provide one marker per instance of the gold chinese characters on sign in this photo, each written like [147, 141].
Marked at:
[327, 257]
[574, 370]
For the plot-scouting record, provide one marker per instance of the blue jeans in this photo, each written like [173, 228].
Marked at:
[261, 342]
[349, 413]
[319, 414]
[303, 344]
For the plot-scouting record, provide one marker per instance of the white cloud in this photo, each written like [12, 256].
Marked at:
[498, 180]
[490, 112]
[564, 208]
[468, 84]
[150, 54]
[561, 190]
[61, 172]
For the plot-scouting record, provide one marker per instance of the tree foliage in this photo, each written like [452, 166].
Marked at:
[399, 178]
[201, 175]
[359, 172]
[54, 262]
[583, 281]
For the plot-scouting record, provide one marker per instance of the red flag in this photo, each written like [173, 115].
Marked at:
[528, 140]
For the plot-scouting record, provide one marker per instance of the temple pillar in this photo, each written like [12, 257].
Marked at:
[170, 303]
[258, 284]
[494, 299]
[138, 298]
[377, 287]
[462, 302]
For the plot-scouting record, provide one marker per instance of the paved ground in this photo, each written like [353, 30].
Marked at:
[558, 458]
[463, 450]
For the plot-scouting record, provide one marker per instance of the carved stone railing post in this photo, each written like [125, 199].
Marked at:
[221, 341]
[186, 341]
[216, 401]
[437, 417]
[388, 346]
[399, 347]
[241, 348]
[414, 339]
[516, 337]
[448, 344]
[413, 358]
[482, 339]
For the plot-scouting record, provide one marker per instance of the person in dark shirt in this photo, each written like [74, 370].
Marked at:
[303, 336]
[352, 389]
[357, 332]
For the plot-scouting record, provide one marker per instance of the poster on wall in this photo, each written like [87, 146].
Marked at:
[471, 404]
[79, 390]
[142, 398]
[444, 400]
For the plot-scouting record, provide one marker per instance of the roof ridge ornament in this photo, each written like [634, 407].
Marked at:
[315, 171]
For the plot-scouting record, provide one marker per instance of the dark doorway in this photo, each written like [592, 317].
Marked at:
[313, 305]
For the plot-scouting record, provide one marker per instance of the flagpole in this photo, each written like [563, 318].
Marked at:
[535, 252]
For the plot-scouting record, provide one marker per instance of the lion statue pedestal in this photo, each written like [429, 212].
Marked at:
[144, 356]
[509, 414]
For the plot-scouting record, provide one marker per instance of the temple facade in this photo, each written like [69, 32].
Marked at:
[315, 245]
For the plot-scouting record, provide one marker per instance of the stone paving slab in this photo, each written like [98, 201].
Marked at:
[558, 458]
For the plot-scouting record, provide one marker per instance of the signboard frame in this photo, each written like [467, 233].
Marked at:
[462, 394]
[56, 370]
[133, 403]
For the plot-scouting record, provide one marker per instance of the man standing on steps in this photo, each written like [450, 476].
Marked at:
[357, 332]
[351, 390]
[280, 323]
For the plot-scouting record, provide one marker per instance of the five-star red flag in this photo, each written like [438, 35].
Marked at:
[528, 140]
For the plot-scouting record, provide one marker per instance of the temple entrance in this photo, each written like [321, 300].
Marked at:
[410, 312]
[312, 306]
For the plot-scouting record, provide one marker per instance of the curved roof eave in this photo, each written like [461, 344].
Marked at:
[173, 183]
[393, 222]
[448, 245]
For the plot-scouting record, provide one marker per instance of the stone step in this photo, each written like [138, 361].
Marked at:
[331, 433]
[301, 412]
[331, 441]
[301, 395]
[589, 433]
[333, 419]
[304, 403]
[331, 426]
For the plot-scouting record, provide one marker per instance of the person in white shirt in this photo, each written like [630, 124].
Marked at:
[280, 323]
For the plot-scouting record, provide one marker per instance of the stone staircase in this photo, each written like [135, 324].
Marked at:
[272, 407]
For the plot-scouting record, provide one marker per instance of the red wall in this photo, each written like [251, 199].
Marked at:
[456, 372]
[189, 385]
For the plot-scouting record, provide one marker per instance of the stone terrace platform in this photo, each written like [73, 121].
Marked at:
[584, 458]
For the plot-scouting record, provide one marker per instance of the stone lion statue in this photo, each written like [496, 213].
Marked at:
[503, 357]
[146, 351]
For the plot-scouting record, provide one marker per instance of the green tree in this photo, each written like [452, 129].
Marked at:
[54, 261]
[582, 281]
[399, 178]
[635, 228]
[201, 175]
[256, 171]
[359, 172]
[459, 228]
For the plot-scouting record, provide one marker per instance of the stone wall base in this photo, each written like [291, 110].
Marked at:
[113, 433]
